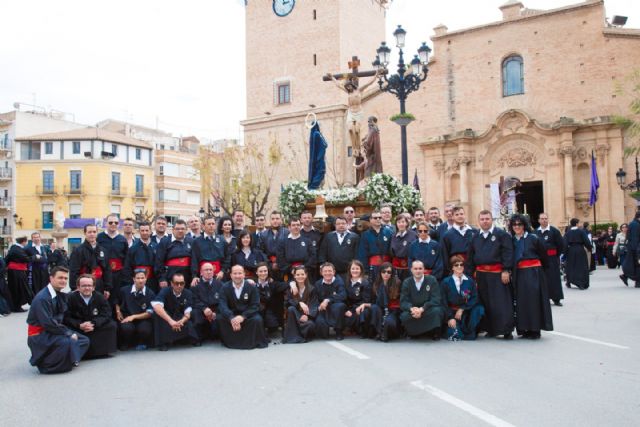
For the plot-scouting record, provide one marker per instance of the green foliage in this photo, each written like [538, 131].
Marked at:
[604, 226]
[402, 116]
[383, 188]
[631, 86]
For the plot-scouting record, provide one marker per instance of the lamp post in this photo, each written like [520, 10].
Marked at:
[201, 214]
[621, 175]
[403, 83]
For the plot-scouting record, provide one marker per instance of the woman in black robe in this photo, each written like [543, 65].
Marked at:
[577, 245]
[359, 300]
[302, 308]
[385, 313]
[533, 310]
[247, 255]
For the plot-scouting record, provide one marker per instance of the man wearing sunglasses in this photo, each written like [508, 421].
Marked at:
[172, 322]
[116, 247]
[421, 304]
[491, 259]
[427, 250]
[349, 215]
[375, 244]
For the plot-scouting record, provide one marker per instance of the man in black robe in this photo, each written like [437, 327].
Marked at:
[240, 323]
[91, 258]
[631, 265]
[339, 248]
[332, 296]
[54, 347]
[115, 246]
[554, 244]
[421, 303]
[134, 313]
[58, 256]
[39, 266]
[173, 306]
[490, 257]
[90, 314]
[173, 255]
[17, 266]
[456, 240]
[141, 256]
[577, 262]
[206, 297]
[295, 250]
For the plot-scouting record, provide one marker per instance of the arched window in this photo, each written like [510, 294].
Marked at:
[512, 76]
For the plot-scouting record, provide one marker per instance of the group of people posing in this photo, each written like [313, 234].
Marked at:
[414, 276]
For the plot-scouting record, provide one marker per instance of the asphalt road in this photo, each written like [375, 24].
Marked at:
[585, 373]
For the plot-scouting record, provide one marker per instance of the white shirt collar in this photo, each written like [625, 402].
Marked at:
[173, 238]
[52, 291]
[294, 238]
[419, 283]
[574, 228]
[209, 236]
[427, 240]
[458, 281]
[401, 234]
[547, 228]
[330, 283]
[489, 231]
[144, 290]
[462, 229]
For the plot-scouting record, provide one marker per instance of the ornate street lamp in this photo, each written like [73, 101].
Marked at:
[201, 214]
[621, 176]
[407, 80]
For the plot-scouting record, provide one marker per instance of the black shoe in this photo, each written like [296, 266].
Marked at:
[197, 343]
[624, 279]
[534, 335]
[339, 336]
[123, 348]
[163, 348]
[508, 336]
[557, 302]
[567, 284]
[435, 337]
[637, 285]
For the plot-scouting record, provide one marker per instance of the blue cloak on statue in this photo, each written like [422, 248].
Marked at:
[317, 165]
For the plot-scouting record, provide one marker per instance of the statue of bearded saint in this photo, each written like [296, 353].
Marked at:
[355, 114]
[372, 162]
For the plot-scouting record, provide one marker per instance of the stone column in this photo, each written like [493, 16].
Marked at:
[567, 150]
[464, 181]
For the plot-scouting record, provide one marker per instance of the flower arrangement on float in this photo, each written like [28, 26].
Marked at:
[381, 188]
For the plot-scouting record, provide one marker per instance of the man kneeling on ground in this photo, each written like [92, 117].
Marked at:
[421, 303]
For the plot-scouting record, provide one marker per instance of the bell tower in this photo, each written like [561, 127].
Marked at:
[291, 44]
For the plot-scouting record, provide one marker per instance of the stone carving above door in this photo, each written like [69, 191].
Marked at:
[517, 157]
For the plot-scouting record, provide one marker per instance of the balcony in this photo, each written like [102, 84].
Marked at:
[5, 230]
[5, 203]
[47, 191]
[144, 194]
[116, 193]
[6, 174]
[5, 145]
[70, 191]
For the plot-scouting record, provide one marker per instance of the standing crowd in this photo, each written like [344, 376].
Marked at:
[409, 276]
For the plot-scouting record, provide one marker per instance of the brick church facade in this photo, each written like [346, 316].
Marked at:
[529, 96]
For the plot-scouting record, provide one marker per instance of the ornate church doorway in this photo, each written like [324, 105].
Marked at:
[530, 199]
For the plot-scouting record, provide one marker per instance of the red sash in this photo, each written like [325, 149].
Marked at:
[216, 266]
[20, 266]
[273, 259]
[115, 264]
[454, 307]
[528, 263]
[377, 260]
[552, 252]
[611, 243]
[184, 261]
[147, 269]
[97, 273]
[400, 263]
[490, 268]
[33, 330]
[295, 264]
[394, 304]
[427, 271]
[249, 274]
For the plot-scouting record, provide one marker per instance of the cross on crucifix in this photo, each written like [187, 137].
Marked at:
[355, 73]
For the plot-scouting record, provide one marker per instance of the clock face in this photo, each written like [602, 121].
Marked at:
[283, 7]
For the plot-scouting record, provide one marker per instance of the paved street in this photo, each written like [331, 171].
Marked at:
[585, 373]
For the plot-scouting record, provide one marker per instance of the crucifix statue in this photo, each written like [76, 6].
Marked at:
[349, 82]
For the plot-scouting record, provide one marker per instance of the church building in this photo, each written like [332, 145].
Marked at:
[531, 96]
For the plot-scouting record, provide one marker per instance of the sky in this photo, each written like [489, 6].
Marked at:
[179, 66]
